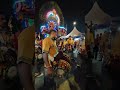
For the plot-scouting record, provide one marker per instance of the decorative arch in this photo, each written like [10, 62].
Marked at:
[51, 8]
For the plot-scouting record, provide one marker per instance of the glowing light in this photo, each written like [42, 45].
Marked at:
[84, 38]
[76, 39]
[74, 23]
[61, 27]
[42, 27]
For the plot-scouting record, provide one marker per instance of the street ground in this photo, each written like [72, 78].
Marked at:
[80, 78]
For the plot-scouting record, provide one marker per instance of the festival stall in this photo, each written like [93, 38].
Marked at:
[73, 33]
[78, 37]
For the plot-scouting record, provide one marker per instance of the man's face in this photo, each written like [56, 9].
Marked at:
[54, 35]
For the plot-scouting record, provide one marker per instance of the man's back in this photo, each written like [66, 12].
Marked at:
[26, 42]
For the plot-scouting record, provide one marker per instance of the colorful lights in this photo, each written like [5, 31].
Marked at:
[53, 15]
[23, 11]
[61, 27]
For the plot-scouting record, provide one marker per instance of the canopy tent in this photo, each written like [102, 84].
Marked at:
[97, 15]
[73, 33]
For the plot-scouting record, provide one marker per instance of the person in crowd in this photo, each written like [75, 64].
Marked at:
[37, 40]
[97, 39]
[95, 50]
[89, 42]
[15, 42]
[75, 44]
[26, 41]
[104, 46]
[115, 58]
[41, 42]
[70, 43]
[60, 43]
[96, 46]
[4, 37]
[76, 51]
[100, 36]
[64, 44]
[49, 50]
[100, 47]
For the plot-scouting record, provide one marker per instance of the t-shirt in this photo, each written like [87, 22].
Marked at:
[70, 41]
[64, 43]
[49, 46]
[26, 41]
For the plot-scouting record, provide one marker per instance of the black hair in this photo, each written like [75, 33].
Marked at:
[52, 31]
[37, 37]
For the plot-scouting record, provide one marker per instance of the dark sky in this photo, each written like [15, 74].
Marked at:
[77, 7]
[73, 10]
[6, 7]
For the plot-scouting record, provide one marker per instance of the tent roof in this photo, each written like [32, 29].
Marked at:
[73, 33]
[97, 15]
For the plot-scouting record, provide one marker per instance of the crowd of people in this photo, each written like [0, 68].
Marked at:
[59, 51]
[67, 45]
[106, 48]
[8, 44]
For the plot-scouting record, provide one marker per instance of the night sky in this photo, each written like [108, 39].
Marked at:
[6, 7]
[74, 10]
